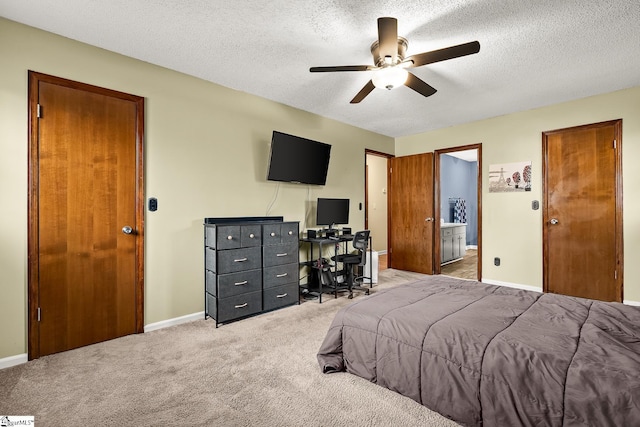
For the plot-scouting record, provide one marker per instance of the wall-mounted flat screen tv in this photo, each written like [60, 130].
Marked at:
[299, 160]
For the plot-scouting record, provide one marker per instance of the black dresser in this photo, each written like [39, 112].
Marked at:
[251, 266]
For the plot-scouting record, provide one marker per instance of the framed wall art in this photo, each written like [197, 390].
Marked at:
[510, 177]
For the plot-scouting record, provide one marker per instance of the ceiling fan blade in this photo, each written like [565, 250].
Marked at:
[419, 86]
[388, 37]
[366, 90]
[443, 54]
[342, 68]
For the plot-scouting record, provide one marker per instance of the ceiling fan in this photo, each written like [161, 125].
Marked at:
[391, 64]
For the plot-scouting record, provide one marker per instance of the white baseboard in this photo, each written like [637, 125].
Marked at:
[8, 362]
[382, 252]
[19, 359]
[472, 247]
[629, 302]
[512, 285]
[173, 322]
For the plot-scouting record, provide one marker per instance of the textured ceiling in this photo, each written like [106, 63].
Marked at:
[533, 53]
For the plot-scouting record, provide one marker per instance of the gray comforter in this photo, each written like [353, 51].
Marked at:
[495, 356]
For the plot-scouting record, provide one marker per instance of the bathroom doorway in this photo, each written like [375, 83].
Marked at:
[376, 207]
[458, 200]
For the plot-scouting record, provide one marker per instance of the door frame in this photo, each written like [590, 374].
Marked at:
[33, 293]
[617, 125]
[366, 193]
[437, 204]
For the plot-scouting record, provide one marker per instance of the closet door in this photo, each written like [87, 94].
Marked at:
[583, 211]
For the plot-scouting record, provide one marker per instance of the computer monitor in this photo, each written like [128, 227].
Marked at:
[330, 212]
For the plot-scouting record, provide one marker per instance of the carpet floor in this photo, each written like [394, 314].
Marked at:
[261, 371]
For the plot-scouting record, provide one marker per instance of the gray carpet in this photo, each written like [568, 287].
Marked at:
[260, 371]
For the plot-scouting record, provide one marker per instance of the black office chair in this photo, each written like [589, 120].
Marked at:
[358, 259]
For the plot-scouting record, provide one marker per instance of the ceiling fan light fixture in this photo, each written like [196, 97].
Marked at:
[390, 77]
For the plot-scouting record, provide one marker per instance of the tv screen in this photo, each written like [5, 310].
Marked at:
[332, 211]
[298, 160]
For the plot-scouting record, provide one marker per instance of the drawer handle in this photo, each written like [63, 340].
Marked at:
[241, 283]
[240, 260]
[272, 234]
[284, 254]
[242, 305]
[251, 236]
[229, 237]
[281, 275]
[281, 296]
[290, 232]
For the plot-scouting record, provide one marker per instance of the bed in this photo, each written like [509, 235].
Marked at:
[490, 355]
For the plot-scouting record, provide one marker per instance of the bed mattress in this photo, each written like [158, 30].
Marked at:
[489, 355]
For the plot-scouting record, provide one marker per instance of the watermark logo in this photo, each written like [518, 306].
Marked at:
[16, 420]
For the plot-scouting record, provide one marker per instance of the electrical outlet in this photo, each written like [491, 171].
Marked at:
[496, 261]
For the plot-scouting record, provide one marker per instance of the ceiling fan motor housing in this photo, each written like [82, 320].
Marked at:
[379, 60]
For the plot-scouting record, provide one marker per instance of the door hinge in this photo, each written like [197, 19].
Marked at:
[615, 274]
[390, 170]
[614, 144]
[38, 111]
[38, 314]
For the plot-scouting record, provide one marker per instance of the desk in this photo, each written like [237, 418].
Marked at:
[318, 266]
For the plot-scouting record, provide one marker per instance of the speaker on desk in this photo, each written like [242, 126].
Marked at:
[311, 234]
[346, 230]
[330, 233]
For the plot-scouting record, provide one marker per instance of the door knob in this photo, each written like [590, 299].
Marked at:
[553, 221]
[127, 230]
[429, 219]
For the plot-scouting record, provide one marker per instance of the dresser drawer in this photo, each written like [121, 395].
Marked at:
[447, 232]
[272, 234]
[290, 232]
[234, 307]
[279, 275]
[280, 296]
[250, 235]
[286, 232]
[227, 237]
[238, 260]
[226, 285]
[285, 253]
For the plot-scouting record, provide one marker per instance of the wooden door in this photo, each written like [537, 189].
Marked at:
[411, 207]
[85, 167]
[583, 211]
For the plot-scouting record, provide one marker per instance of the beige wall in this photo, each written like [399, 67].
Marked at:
[511, 230]
[206, 155]
[377, 198]
[206, 149]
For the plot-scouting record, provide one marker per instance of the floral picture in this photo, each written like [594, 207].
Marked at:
[510, 177]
